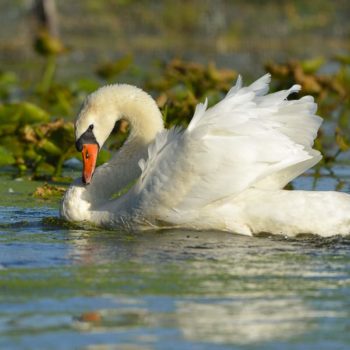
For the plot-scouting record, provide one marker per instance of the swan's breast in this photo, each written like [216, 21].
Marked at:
[75, 206]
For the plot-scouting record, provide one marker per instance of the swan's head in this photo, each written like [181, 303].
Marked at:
[103, 108]
[97, 118]
[93, 125]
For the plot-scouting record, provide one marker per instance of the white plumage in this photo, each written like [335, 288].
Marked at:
[246, 140]
[226, 171]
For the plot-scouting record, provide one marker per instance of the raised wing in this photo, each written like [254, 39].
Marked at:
[249, 139]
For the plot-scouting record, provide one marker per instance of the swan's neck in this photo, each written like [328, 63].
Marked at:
[145, 121]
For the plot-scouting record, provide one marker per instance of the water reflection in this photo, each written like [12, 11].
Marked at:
[245, 321]
[201, 289]
[168, 245]
[222, 288]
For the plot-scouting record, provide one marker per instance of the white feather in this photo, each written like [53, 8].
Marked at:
[249, 139]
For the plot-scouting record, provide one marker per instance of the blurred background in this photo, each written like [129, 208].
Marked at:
[240, 35]
[53, 53]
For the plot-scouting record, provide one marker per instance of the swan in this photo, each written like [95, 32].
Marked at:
[226, 171]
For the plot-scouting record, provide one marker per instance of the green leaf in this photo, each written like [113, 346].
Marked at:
[12, 115]
[6, 157]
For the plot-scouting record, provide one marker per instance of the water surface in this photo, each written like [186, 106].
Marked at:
[65, 288]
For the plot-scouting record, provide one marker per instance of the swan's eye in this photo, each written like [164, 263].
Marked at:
[87, 137]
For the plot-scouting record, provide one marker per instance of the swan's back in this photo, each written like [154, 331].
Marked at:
[250, 139]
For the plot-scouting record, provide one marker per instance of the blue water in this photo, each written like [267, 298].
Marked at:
[68, 288]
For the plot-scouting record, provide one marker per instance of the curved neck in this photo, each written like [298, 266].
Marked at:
[108, 105]
[145, 121]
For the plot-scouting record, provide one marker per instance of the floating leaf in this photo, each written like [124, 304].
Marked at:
[49, 191]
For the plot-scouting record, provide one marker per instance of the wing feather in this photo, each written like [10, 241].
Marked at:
[249, 139]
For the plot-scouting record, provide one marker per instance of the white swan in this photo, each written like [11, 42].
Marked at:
[226, 171]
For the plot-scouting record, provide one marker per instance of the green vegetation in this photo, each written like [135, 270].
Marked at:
[37, 132]
[39, 102]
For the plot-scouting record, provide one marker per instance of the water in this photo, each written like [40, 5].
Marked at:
[65, 288]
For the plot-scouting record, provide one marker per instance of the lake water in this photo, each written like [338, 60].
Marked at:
[64, 288]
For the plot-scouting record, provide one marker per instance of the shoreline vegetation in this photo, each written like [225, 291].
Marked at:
[37, 132]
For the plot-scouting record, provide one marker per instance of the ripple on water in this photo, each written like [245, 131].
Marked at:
[24, 216]
[68, 288]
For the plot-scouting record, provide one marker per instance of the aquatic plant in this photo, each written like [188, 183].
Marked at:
[37, 133]
[49, 191]
[182, 85]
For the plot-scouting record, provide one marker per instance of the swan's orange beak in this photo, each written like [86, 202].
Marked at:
[89, 153]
